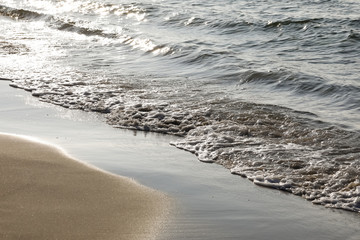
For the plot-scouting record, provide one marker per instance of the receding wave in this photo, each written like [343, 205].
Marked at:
[270, 145]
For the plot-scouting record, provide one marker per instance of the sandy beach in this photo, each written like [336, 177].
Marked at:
[47, 195]
[211, 203]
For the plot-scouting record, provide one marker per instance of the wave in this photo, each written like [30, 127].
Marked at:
[235, 25]
[213, 26]
[354, 36]
[301, 83]
[61, 24]
[227, 27]
[12, 48]
[354, 23]
[257, 77]
[21, 14]
[292, 21]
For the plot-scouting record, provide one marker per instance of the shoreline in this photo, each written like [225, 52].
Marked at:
[213, 204]
[49, 195]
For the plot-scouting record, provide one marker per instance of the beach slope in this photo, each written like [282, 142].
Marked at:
[46, 194]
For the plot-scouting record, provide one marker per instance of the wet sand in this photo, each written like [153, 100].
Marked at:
[47, 195]
[211, 203]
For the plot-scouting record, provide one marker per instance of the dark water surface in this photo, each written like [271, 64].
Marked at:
[268, 89]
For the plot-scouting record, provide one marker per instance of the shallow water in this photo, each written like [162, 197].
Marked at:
[270, 90]
[212, 204]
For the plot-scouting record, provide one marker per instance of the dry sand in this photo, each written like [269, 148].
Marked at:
[44, 194]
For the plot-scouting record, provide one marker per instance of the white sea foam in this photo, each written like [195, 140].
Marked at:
[294, 158]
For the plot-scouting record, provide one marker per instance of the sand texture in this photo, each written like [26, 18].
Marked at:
[44, 194]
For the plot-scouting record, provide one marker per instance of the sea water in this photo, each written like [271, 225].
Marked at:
[268, 89]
